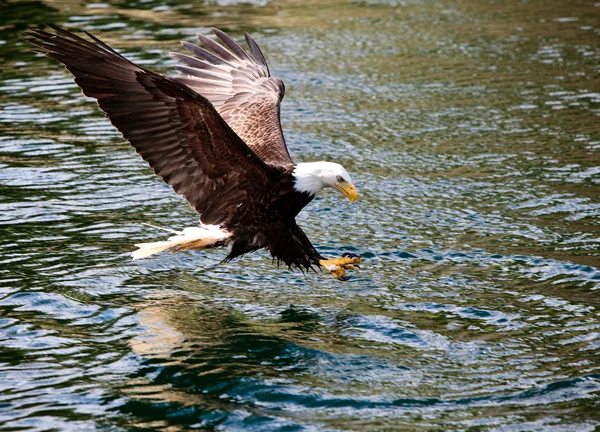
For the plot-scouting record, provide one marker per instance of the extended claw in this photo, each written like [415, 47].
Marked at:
[338, 266]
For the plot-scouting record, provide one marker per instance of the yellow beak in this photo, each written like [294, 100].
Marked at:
[348, 190]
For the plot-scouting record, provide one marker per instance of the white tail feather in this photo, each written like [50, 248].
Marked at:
[161, 228]
[196, 238]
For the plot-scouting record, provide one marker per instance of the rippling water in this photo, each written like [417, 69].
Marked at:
[472, 130]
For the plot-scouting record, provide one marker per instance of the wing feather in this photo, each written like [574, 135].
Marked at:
[232, 45]
[205, 55]
[258, 55]
[177, 131]
[216, 48]
[242, 90]
[199, 73]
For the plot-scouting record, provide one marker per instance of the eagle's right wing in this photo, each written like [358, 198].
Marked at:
[242, 90]
[175, 130]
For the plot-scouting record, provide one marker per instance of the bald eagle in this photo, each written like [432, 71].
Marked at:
[213, 134]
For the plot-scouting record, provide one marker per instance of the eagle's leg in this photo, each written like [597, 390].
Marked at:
[338, 266]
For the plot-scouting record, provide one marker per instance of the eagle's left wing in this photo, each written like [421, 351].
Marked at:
[242, 90]
[175, 130]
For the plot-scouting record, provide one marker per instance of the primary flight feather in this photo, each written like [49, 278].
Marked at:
[213, 134]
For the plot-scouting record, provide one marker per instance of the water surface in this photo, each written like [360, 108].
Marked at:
[472, 131]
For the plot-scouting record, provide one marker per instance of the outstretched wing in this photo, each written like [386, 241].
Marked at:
[241, 89]
[178, 132]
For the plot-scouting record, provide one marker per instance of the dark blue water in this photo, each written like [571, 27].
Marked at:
[472, 130]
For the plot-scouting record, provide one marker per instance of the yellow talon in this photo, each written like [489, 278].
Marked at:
[338, 266]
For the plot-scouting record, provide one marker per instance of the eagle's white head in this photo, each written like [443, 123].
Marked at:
[312, 177]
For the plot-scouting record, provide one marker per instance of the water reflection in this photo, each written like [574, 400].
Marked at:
[215, 367]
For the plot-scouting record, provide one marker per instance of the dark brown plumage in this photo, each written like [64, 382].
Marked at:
[212, 134]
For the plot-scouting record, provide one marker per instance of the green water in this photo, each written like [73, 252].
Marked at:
[472, 131]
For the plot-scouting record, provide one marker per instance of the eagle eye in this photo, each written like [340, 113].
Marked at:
[340, 179]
